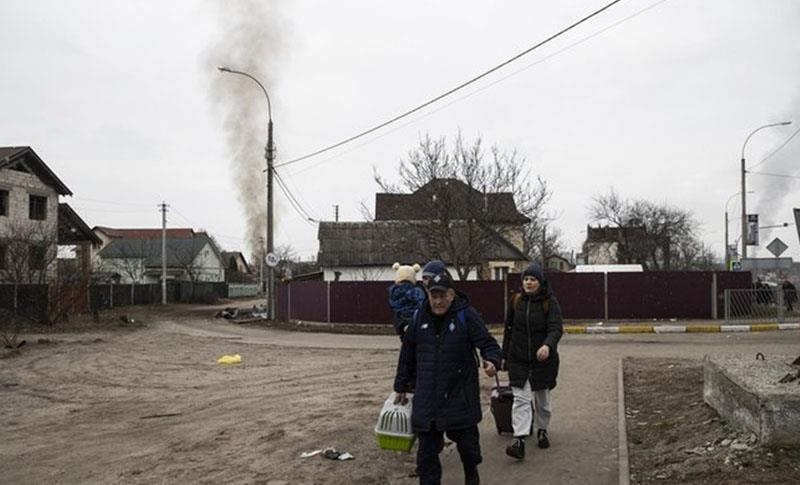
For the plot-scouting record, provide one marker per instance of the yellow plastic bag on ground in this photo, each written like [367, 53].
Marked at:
[230, 359]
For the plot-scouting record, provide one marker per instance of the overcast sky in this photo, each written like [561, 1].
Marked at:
[122, 100]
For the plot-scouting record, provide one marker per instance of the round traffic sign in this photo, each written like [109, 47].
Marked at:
[272, 260]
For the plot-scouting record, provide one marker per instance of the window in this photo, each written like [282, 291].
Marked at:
[3, 202]
[36, 257]
[3, 256]
[38, 208]
[500, 273]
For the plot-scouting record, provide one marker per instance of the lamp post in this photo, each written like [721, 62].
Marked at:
[744, 190]
[269, 155]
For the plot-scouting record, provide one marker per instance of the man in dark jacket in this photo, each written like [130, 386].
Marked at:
[439, 346]
[530, 348]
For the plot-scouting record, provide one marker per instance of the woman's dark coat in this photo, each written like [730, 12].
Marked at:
[446, 390]
[528, 327]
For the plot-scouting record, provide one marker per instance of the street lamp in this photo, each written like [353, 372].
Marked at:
[744, 190]
[269, 154]
[726, 258]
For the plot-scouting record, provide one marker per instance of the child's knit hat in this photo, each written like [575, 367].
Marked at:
[405, 273]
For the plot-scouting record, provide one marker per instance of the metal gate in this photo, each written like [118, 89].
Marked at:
[762, 305]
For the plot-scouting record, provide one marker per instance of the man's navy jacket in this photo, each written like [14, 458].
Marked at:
[446, 390]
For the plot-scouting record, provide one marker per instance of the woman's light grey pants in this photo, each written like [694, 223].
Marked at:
[525, 401]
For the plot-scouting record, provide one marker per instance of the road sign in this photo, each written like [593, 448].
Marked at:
[752, 229]
[736, 265]
[777, 247]
[272, 260]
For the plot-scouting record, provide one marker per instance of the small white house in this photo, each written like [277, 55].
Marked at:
[139, 260]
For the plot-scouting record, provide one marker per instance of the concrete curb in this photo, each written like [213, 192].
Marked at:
[624, 463]
[701, 328]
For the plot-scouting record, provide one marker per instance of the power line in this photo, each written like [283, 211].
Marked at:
[776, 175]
[453, 90]
[487, 86]
[786, 142]
[111, 202]
[113, 211]
[295, 204]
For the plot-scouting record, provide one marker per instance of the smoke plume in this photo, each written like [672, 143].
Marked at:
[777, 195]
[249, 41]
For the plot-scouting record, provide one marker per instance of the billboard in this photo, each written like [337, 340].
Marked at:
[752, 229]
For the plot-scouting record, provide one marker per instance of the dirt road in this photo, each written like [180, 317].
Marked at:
[152, 406]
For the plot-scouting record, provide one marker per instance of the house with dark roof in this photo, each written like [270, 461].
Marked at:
[138, 259]
[236, 268]
[29, 210]
[108, 234]
[611, 245]
[401, 232]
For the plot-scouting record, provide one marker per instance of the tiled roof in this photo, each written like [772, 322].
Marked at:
[180, 251]
[462, 201]
[172, 233]
[72, 229]
[10, 155]
[386, 242]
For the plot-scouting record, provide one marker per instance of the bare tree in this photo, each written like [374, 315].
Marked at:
[187, 258]
[657, 236]
[131, 260]
[31, 252]
[458, 226]
[366, 212]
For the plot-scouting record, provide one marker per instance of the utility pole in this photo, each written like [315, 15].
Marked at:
[260, 254]
[270, 156]
[336, 212]
[163, 206]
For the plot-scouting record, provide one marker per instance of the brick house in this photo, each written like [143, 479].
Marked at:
[29, 210]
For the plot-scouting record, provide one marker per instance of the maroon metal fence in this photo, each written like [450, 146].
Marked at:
[648, 295]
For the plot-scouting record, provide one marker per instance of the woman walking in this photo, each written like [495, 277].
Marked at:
[530, 349]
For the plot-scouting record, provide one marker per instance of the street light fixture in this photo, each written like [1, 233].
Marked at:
[744, 190]
[726, 253]
[269, 155]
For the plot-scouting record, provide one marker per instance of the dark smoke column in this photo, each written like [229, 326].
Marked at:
[270, 157]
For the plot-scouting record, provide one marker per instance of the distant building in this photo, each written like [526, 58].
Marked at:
[138, 259]
[608, 268]
[236, 268]
[558, 263]
[366, 250]
[611, 245]
[29, 193]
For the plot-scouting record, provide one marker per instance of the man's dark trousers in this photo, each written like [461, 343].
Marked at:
[431, 443]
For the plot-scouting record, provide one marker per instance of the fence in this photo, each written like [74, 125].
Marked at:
[238, 290]
[762, 305]
[110, 295]
[582, 296]
[30, 301]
